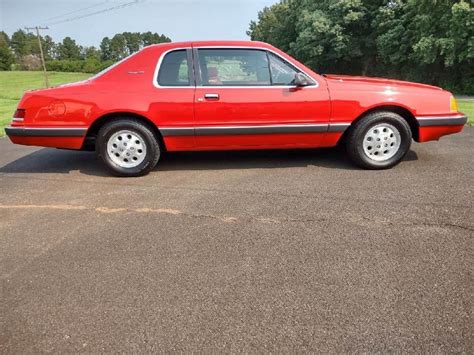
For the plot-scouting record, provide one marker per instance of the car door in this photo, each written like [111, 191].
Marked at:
[245, 97]
[172, 101]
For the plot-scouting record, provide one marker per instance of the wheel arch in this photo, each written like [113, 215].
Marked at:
[89, 141]
[402, 111]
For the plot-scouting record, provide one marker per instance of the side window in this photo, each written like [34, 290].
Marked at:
[283, 73]
[174, 69]
[234, 67]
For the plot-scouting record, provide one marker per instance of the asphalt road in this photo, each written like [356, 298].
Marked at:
[238, 251]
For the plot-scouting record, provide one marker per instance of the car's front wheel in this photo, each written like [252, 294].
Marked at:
[379, 140]
[127, 147]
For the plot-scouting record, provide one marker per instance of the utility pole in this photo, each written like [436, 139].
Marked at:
[37, 28]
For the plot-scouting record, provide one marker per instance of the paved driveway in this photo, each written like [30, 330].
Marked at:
[240, 251]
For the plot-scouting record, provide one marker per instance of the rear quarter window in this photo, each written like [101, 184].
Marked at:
[174, 69]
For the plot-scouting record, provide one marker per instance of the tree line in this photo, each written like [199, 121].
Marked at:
[430, 41]
[21, 51]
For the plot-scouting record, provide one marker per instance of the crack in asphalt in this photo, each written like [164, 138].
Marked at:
[224, 219]
[231, 219]
[427, 224]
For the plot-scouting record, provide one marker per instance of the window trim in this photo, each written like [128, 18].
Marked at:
[296, 69]
[190, 59]
[268, 50]
[196, 81]
[198, 68]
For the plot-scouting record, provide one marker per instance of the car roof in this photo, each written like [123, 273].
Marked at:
[212, 43]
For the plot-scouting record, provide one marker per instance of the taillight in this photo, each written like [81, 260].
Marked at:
[19, 115]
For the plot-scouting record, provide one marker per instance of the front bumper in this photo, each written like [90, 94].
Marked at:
[434, 127]
[427, 121]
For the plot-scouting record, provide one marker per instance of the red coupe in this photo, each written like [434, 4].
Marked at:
[230, 95]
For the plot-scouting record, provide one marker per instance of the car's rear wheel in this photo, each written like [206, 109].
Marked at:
[127, 147]
[379, 140]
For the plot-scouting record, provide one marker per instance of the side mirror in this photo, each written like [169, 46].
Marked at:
[301, 80]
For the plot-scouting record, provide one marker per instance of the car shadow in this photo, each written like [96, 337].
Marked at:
[48, 161]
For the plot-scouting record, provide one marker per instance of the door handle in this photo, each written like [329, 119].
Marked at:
[211, 96]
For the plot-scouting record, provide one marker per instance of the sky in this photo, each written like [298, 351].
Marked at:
[181, 20]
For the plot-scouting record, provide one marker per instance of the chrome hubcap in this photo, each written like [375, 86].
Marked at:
[381, 142]
[127, 149]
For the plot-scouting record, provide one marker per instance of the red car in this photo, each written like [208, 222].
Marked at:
[230, 95]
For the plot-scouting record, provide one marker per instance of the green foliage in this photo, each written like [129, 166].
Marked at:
[91, 52]
[467, 107]
[422, 40]
[6, 55]
[276, 25]
[126, 43]
[68, 49]
[22, 50]
[118, 47]
[88, 65]
[23, 43]
[65, 65]
[49, 47]
[4, 39]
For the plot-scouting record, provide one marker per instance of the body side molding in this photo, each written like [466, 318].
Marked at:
[253, 129]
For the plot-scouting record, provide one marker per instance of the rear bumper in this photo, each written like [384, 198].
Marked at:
[45, 132]
[57, 137]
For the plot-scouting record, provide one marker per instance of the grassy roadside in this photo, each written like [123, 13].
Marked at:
[467, 107]
[14, 83]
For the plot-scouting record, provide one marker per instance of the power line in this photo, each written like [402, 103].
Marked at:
[116, 7]
[73, 12]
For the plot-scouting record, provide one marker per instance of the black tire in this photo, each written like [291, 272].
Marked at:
[153, 151]
[357, 133]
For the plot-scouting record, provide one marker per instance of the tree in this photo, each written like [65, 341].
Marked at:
[149, 38]
[4, 39]
[49, 47]
[23, 43]
[429, 41]
[334, 34]
[118, 47]
[424, 40]
[105, 48]
[68, 49]
[6, 55]
[133, 42]
[324, 34]
[91, 53]
[126, 43]
[23, 49]
[276, 25]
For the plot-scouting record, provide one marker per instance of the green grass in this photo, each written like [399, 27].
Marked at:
[467, 106]
[14, 83]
